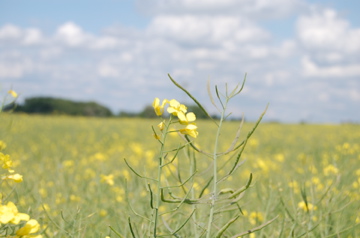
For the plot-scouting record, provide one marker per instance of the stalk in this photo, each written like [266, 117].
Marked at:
[192, 171]
[158, 184]
[214, 192]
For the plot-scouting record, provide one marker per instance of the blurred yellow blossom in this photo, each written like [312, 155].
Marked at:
[307, 206]
[43, 192]
[6, 162]
[13, 93]
[75, 198]
[190, 130]
[255, 217]
[176, 107]
[161, 125]
[2, 145]
[109, 179]
[159, 109]
[103, 213]
[9, 214]
[186, 118]
[330, 170]
[31, 227]
[15, 177]
[295, 186]
[100, 156]
[68, 163]
[280, 157]
[44, 207]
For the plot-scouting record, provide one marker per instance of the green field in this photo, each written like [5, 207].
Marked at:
[76, 182]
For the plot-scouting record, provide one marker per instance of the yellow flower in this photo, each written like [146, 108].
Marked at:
[159, 109]
[109, 179]
[75, 198]
[161, 125]
[255, 217]
[31, 227]
[2, 145]
[16, 177]
[103, 213]
[9, 214]
[306, 207]
[190, 130]
[13, 93]
[330, 170]
[176, 107]
[6, 161]
[186, 118]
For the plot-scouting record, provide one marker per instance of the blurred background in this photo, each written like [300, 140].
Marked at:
[301, 56]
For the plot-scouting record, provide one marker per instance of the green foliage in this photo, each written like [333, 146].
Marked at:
[48, 105]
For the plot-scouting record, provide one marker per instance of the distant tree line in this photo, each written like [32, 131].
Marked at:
[50, 105]
[148, 112]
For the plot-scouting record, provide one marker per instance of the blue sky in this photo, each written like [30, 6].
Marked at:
[302, 57]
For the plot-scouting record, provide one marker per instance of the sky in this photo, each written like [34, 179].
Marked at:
[302, 57]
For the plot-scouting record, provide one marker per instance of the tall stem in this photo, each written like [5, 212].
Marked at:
[192, 171]
[214, 192]
[158, 184]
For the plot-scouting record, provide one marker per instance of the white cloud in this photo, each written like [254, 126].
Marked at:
[16, 69]
[10, 32]
[13, 35]
[354, 95]
[71, 34]
[337, 71]
[204, 30]
[331, 46]
[325, 30]
[107, 70]
[11, 71]
[32, 36]
[106, 42]
[47, 53]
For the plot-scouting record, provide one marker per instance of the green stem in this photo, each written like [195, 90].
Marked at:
[193, 171]
[158, 185]
[214, 192]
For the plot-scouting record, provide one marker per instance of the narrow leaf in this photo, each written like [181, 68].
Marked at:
[255, 229]
[223, 229]
[191, 96]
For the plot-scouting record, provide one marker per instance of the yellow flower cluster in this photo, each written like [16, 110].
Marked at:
[180, 111]
[109, 179]
[9, 213]
[254, 217]
[28, 230]
[7, 164]
[307, 206]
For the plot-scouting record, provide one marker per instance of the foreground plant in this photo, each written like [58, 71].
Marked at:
[186, 200]
[12, 222]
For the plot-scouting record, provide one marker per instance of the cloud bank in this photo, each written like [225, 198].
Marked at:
[312, 74]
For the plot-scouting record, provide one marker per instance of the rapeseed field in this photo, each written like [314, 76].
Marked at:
[304, 180]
